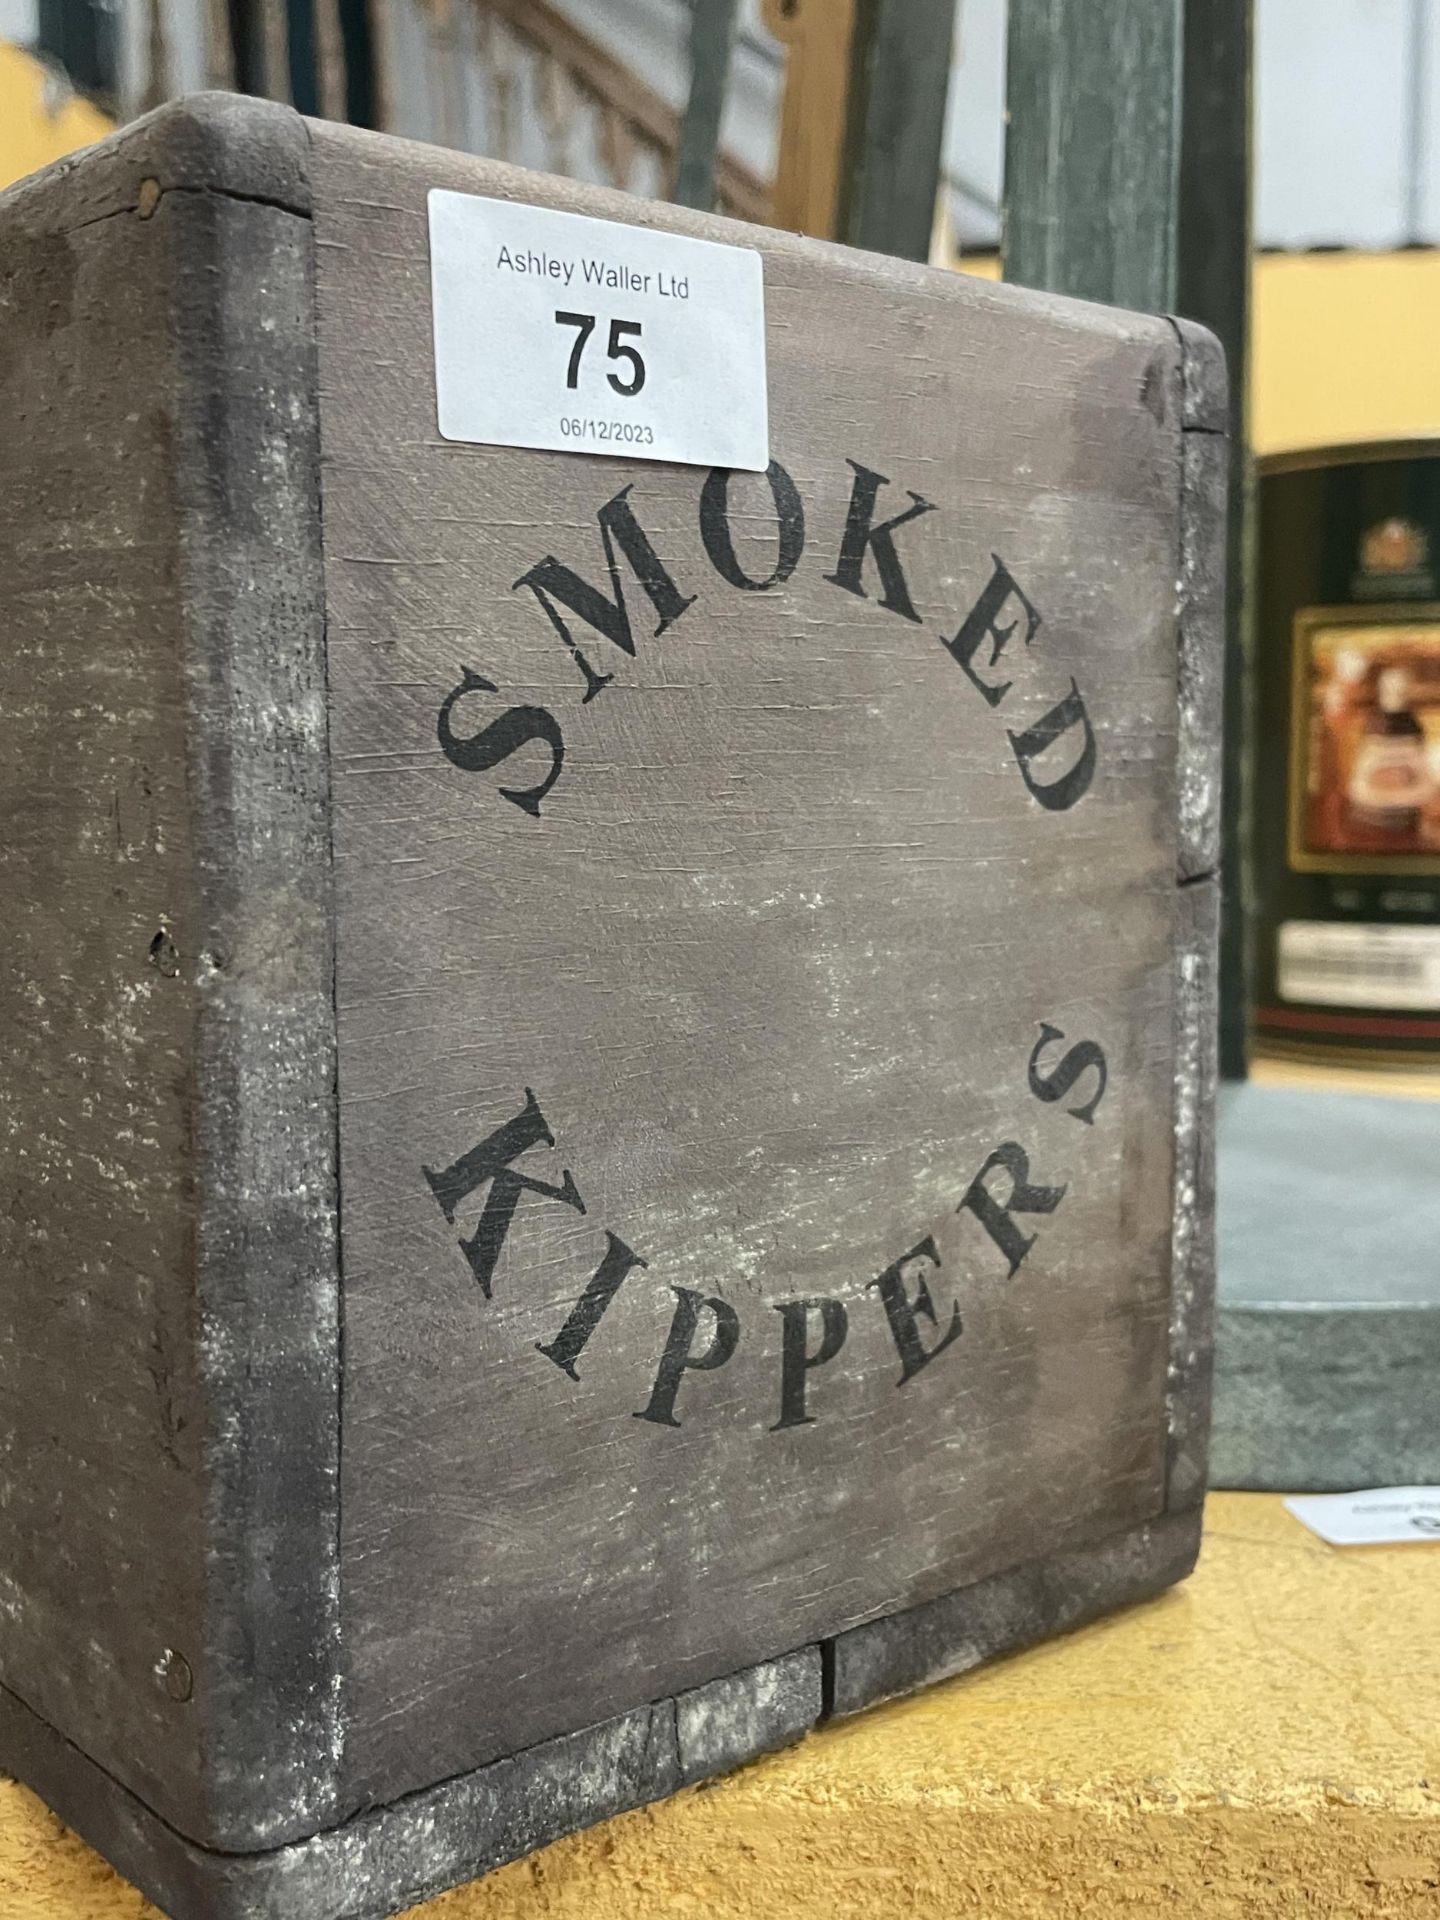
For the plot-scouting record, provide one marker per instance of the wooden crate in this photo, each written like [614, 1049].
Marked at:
[815, 1063]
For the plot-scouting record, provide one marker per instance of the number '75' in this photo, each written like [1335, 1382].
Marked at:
[584, 324]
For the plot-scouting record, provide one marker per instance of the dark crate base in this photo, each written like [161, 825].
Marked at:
[392, 1857]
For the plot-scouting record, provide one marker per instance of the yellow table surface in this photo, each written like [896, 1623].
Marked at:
[1265, 1740]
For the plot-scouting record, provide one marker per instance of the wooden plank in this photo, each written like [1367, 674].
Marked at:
[1033, 1788]
[1201, 650]
[742, 991]
[895, 165]
[1092, 149]
[768, 1137]
[391, 1857]
[169, 1365]
[961, 1630]
[93, 879]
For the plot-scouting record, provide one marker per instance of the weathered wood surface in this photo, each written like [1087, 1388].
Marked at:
[390, 1857]
[1204, 472]
[896, 148]
[772, 958]
[168, 1362]
[842, 954]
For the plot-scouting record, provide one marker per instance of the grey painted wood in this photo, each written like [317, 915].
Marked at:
[1213, 287]
[1205, 396]
[1201, 636]
[1203, 608]
[888, 201]
[169, 1354]
[961, 1630]
[1192, 1299]
[1092, 138]
[731, 1720]
[749, 919]
[780, 959]
[97, 1369]
[392, 1857]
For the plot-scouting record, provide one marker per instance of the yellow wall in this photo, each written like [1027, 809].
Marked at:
[31, 133]
[1345, 346]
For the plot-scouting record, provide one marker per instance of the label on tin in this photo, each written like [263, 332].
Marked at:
[1382, 1516]
[1342, 963]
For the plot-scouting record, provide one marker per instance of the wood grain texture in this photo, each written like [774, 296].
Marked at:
[1177, 1757]
[1212, 285]
[777, 959]
[1192, 1301]
[391, 1857]
[773, 959]
[170, 1357]
[1204, 516]
[963, 1629]
[103, 1484]
[819, 38]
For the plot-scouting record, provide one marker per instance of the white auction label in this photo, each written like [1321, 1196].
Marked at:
[585, 336]
[1381, 1517]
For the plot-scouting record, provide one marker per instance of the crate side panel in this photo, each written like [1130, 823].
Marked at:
[778, 960]
[100, 1483]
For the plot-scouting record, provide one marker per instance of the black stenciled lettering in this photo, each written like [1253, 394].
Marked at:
[983, 622]
[904, 1314]
[720, 544]
[1076, 1060]
[1012, 1159]
[601, 1288]
[490, 1162]
[1066, 788]
[863, 535]
[556, 585]
[511, 730]
[678, 1357]
[796, 1359]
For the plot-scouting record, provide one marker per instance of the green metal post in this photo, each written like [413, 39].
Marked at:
[712, 42]
[1092, 149]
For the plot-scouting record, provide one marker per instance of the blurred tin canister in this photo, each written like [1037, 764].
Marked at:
[1345, 768]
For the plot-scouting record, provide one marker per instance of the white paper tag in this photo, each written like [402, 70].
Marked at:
[1376, 1518]
[584, 336]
